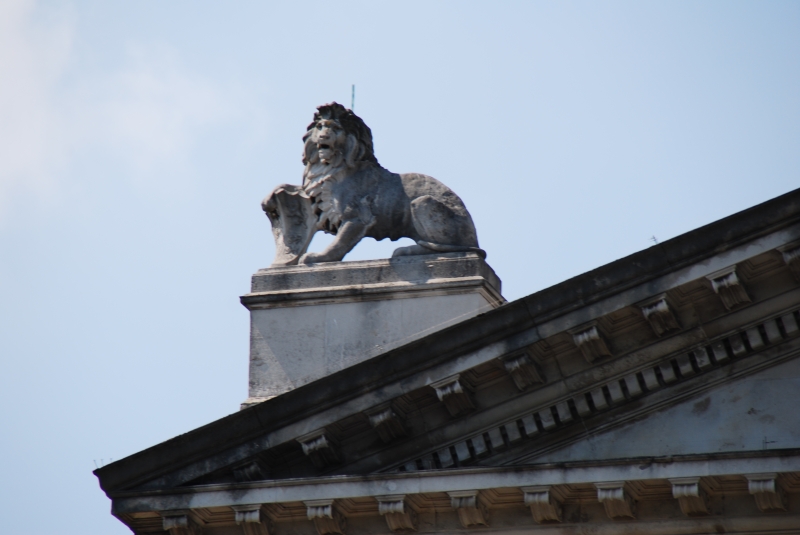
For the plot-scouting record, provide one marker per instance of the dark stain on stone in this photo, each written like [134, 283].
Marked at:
[753, 411]
[701, 406]
[719, 528]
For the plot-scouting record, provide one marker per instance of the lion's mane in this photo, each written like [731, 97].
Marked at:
[358, 146]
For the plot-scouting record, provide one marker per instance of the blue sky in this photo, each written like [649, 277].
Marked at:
[137, 140]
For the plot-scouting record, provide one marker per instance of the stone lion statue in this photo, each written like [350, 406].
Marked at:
[347, 193]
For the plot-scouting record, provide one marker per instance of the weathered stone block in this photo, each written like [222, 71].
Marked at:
[307, 322]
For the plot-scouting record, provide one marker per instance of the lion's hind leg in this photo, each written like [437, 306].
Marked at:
[441, 228]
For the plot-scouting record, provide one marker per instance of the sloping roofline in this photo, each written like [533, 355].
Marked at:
[395, 365]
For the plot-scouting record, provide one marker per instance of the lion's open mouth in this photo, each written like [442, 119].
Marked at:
[324, 146]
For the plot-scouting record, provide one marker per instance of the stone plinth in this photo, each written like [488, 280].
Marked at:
[307, 322]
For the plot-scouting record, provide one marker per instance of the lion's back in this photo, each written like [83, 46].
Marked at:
[417, 185]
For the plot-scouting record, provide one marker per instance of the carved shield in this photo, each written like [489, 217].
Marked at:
[293, 223]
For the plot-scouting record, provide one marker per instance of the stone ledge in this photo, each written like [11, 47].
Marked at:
[415, 270]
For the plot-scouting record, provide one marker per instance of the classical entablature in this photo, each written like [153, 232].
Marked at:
[654, 394]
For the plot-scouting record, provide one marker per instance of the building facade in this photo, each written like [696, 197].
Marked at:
[656, 394]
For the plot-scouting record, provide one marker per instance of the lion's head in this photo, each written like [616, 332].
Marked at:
[337, 136]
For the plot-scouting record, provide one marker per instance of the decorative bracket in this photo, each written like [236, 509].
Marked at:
[253, 471]
[522, 370]
[690, 495]
[791, 255]
[729, 288]
[616, 500]
[659, 315]
[252, 519]
[471, 511]
[398, 517]
[769, 495]
[179, 523]
[327, 518]
[386, 422]
[544, 506]
[590, 341]
[454, 396]
[320, 448]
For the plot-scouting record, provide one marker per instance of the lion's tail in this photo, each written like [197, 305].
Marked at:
[441, 248]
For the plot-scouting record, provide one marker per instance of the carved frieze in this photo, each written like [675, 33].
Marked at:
[385, 420]
[544, 506]
[522, 370]
[690, 495]
[252, 519]
[616, 500]
[659, 315]
[320, 447]
[399, 516]
[730, 289]
[590, 341]
[326, 517]
[454, 395]
[472, 512]
[767, 492]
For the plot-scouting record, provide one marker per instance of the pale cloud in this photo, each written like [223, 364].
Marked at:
[34, 55]
[147, 112]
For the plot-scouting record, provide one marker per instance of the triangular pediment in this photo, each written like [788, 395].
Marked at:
[616, 353]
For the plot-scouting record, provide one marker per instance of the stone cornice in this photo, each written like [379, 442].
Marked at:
[500, 332]
[464, 479]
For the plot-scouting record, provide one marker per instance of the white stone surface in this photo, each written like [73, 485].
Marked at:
[311, 321]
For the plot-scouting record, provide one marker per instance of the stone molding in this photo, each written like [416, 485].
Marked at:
[180, 523]
[617, 502]
[386, 422]
[545, 508]
[454, 395]
[766, 490]
[399, 517]
[326, 517]
[791, 255]
[522, 369]
[472, 512]
[690, 495]
[730, 289]
[590, 341]
[252, 519]
[659, 315]
[320, 447]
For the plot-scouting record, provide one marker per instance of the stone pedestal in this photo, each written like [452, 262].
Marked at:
[307, 322]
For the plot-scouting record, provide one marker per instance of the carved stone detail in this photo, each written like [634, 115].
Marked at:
[336, 198]
[454, 396]
[522, 370]
[398, 517]
[320, 447]
[386, 422]
[729, 288]
[768, 494]
[179, 523]
[791, 255]
[616, 500]
[252, 519]
[544, 506]
[252, 471]
[690, 495]
[658, 314]
[590, 341]
[472, 512]
[326, 517]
